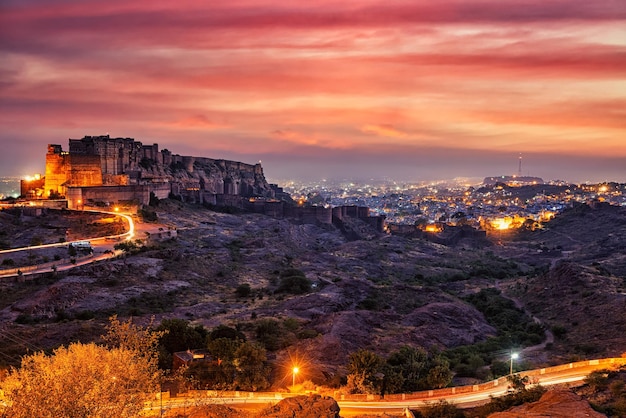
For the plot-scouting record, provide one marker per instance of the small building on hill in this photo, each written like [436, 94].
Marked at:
[186, 358]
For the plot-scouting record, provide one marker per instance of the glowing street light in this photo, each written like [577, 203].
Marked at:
[514, 356]
[295, 371]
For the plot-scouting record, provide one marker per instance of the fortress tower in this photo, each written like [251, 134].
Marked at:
[65, 169]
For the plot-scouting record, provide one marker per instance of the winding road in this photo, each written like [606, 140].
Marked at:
[352, 405]
[519, 305]
[103, 248]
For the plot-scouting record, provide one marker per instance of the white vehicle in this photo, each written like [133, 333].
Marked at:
[81, 246]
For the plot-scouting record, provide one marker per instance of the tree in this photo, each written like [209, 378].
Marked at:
[178, 335]
[126, 335]
[141, 341]
[222, 372]
[224, 349]
[273, 335]
[224, 331]
[252, 371]
[364, 369]
[411, 363]
[79, 381]
[439, 375]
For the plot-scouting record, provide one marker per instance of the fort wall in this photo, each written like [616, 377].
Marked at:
[106, 161]
[81, 196]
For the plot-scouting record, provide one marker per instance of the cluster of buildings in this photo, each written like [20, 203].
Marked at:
[102, 171]
[510, 203]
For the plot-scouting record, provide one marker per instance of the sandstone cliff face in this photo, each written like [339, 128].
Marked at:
[210, 176]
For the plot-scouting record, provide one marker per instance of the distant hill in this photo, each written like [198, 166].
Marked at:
[519, 180]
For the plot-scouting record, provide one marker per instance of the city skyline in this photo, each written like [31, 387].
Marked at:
[364, 89]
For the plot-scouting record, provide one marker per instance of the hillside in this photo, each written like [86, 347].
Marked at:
[579, 285]
[377, 293]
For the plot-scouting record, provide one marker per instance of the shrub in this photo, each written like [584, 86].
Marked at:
[24, 318]
[85, 315]
[148, 215]
[36, 240]
[273, 335]
[306, 334]
[243, 290]
[559, 331]
[296, 285]
[598, 380]
[440, 409]
[369, 304]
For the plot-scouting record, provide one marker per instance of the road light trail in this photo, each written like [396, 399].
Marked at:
[29, 270]
[567, 373]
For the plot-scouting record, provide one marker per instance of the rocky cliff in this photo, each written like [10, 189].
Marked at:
[207, 175]
[96, 160]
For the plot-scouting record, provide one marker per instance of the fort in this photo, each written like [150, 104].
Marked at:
[101, 169]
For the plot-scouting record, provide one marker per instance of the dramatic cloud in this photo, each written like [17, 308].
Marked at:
[405, 88]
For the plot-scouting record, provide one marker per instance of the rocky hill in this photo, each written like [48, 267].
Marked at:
[578, 285]
[379, 292]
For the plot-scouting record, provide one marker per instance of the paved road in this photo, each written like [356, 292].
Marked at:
[352, 408]
[102, 247]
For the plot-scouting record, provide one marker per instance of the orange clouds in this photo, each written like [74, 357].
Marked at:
[384, 130]
[195, 122]
[308, 79]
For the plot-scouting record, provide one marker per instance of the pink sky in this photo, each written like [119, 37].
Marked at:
[320, 89]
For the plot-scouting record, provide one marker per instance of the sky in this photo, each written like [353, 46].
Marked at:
[400, 89]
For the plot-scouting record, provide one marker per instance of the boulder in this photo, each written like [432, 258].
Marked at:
[313, 406]
[553, 404]
[217, 411]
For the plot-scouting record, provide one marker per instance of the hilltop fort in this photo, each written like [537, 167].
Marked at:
[101, 169]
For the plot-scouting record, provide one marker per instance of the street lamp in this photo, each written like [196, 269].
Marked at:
[295, 371]
[514, 356]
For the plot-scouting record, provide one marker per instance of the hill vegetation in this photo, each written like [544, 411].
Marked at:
[305, 291]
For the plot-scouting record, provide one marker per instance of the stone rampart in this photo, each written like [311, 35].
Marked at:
[102, 160]
[77, 197]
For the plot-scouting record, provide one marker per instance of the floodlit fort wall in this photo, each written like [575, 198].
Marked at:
[120, 163]
[64, 169]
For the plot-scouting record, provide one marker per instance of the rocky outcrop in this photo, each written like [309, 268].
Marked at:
[217, 411]
[313, 406]
[554, 404]
[211, 176]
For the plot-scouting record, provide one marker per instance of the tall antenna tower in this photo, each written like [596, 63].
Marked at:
[519, 169]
